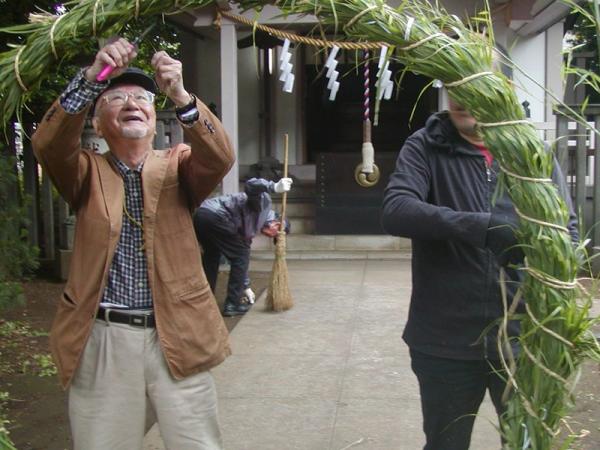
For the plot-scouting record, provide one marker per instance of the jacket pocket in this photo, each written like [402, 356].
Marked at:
[193, 293]
[68, 299]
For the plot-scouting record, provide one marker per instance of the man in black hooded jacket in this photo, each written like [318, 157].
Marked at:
[440, 196]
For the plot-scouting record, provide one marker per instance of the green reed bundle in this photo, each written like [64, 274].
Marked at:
[53, 39]
[556, 335]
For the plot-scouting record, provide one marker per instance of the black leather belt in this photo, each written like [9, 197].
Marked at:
[136, 320]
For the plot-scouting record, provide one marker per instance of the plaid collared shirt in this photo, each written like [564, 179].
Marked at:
[80, 92]
[128, 274]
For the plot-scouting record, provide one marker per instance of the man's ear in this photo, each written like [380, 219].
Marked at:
[96, 125]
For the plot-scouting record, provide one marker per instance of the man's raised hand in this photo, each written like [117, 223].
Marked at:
[169, 78]
[118, 54]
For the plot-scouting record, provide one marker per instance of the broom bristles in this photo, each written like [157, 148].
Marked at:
[279, 297]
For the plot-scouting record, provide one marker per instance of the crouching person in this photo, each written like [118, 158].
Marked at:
[137, 327]
[226, 226]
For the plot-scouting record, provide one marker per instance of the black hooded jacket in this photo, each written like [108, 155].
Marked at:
[440, 196]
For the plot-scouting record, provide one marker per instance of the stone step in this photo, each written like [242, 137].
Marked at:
[335, 243]
[389, 255]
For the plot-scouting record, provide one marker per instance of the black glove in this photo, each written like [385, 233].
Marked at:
[501, 239]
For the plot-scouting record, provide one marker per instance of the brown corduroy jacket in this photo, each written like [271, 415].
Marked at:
[192, 333]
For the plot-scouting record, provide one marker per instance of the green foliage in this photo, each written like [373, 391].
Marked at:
[49, 42]
[583, 35]
[163, 37]
[17, 257]
[45, 365]
[5, 442]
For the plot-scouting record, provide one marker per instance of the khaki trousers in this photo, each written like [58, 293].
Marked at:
[123, 377]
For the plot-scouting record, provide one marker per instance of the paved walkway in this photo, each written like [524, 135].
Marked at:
[333, 372]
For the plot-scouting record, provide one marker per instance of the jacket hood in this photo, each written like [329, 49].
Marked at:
[441, 135]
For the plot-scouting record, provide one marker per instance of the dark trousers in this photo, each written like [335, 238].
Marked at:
[451, 393]
[217, 238]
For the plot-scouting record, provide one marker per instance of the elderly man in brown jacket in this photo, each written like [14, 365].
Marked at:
[137, 327]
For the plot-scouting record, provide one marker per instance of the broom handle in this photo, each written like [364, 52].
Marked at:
[285, 174]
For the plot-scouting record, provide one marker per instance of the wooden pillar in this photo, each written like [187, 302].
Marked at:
[30, 168]
[229, 98]
[159, 139]
[580, 170]
[48, 215]
[596, 229]
[554, 62]
[176, 133]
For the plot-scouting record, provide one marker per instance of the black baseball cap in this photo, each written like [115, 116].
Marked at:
[135, 75]
[131, 75]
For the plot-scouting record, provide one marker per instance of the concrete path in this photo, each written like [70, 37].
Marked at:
[333, 372]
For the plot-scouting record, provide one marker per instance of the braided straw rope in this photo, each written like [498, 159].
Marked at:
[297, 38]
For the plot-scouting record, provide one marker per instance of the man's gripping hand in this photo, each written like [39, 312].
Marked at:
[169, 78]
[117, 54]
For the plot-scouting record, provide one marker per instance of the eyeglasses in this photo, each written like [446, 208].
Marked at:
[119, 98]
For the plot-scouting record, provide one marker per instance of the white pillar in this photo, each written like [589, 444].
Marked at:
[229, 98]
[554, 63]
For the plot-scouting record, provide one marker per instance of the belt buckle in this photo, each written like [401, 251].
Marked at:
[139, 320]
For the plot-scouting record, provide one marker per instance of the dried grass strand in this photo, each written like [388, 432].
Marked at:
[94, 17]
[503, 337]
[522, 178]
[541, 222]
[507, 122]
[359, 15]
[52, 44]
[421, 42]
[548, 280]
[546, 330]
[475, 76]
[542, 366]
[17, 73]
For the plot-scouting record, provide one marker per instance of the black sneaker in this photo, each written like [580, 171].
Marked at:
[231, 309]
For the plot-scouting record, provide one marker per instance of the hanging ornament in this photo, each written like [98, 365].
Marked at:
[285, 67]
[366, 174]
[384, 83]
[332, 74]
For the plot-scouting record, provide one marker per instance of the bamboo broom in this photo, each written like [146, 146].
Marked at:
[279, 297]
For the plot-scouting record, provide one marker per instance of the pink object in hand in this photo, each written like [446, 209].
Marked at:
[104, 73]
[108, 69]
